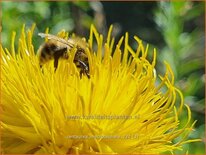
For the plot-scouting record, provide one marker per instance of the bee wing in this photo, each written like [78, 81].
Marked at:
[53, 37]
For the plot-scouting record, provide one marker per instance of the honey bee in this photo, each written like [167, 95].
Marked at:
[56, 48]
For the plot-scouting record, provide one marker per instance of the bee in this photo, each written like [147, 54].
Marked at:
[56, 48]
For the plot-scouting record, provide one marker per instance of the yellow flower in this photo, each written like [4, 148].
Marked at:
[119, 109]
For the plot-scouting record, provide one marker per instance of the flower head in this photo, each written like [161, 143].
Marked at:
[119, 109]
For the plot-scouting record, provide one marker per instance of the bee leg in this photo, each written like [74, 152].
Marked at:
[87, 74]
[84, 68]
[40, 65]
[56, 63]
[83, 71]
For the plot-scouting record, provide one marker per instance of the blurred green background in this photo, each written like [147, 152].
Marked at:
[176, 29]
